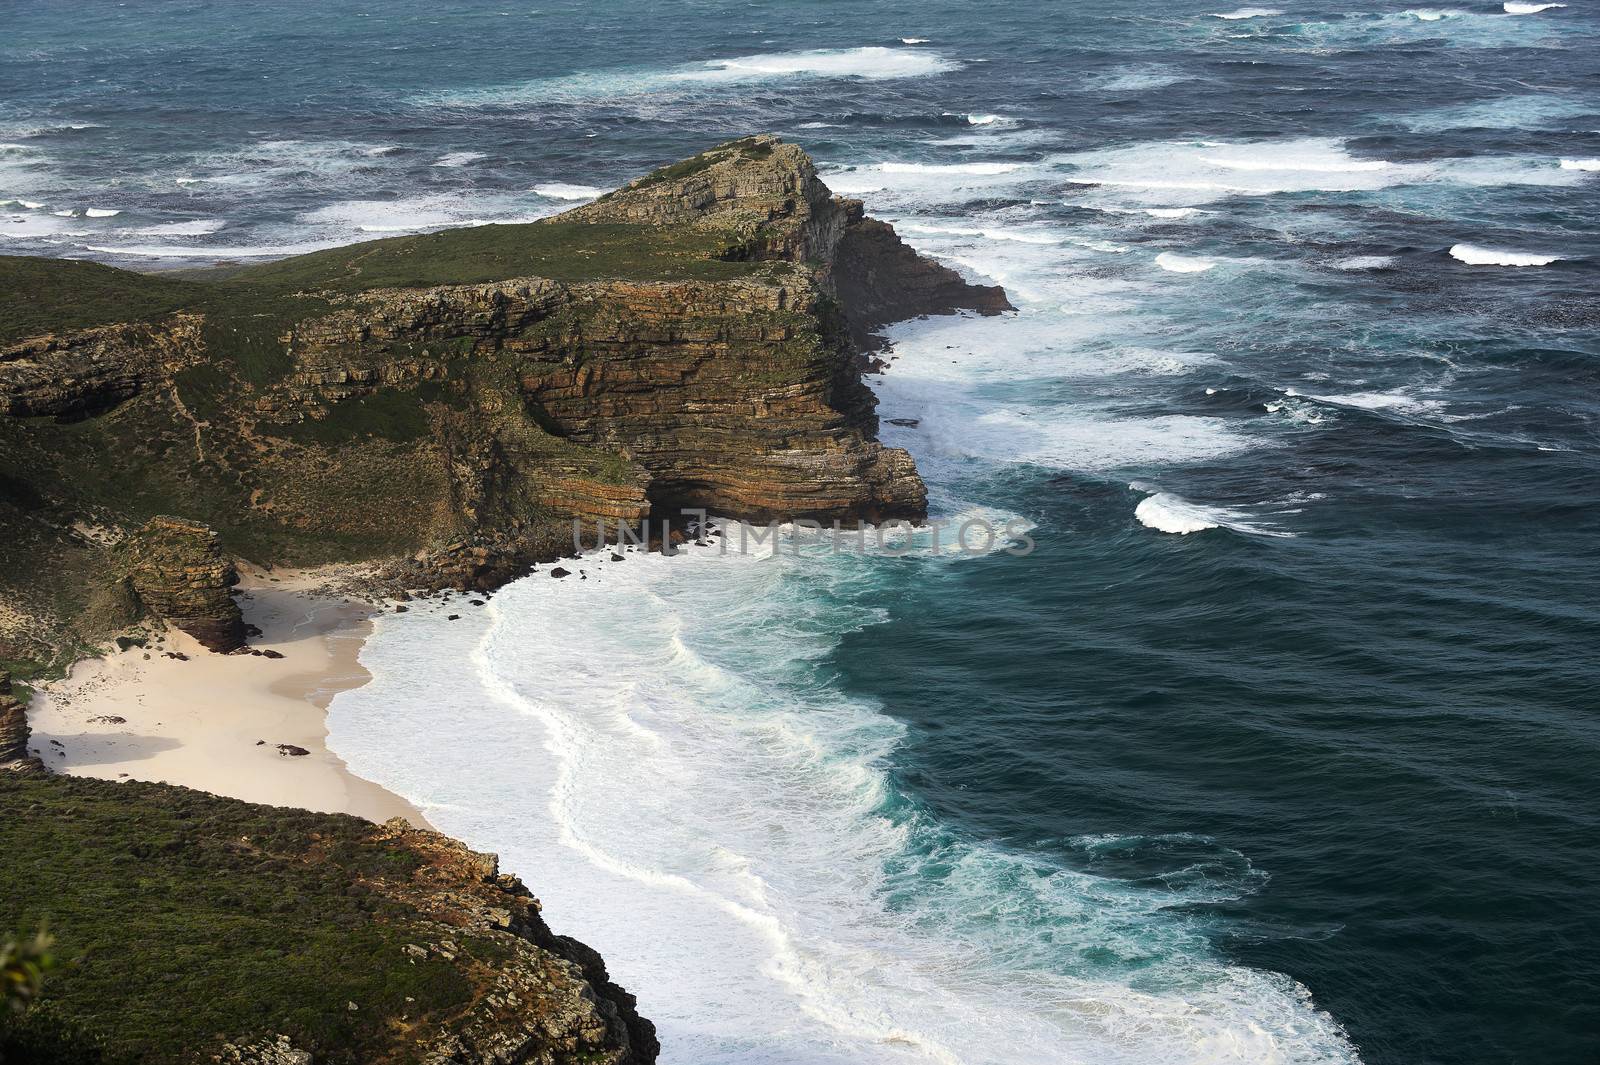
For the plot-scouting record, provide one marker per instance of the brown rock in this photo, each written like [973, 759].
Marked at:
[14, 731]
[180, 575]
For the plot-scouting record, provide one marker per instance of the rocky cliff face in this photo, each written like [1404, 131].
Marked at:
[452, 402]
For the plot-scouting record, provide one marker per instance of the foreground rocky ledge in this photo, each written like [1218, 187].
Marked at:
[447, 404]
[213, 930]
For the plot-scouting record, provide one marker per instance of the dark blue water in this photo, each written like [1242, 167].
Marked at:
[1302, 402]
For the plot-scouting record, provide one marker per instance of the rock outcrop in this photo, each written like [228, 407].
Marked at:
[450, 404]
[345, 941]
[14, 732]
[180, 575]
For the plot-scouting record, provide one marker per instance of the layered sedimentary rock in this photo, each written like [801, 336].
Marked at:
[14, 732]
[180, 575]
[450, 404]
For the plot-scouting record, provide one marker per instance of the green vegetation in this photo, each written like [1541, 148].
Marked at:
[748, 147]
[194, 920]
[23, 965]
[561, 251]
[46, 295]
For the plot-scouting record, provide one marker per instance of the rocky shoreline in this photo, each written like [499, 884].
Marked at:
[441, 409]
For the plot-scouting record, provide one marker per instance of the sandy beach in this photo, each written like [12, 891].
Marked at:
[249, 726]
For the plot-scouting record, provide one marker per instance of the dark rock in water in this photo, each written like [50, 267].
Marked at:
[905, 423]
[615, 557]
[475, 602]
[453, 617]
[401, 608]
[289, 750]
[559, 572]
[180, 575]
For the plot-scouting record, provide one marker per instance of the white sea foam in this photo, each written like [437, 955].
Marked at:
[1365, 262]
[560, 190]
[1477, 255]
[242, 251]
[1184, 264]
[1524, 111]
[1513, 7]
[872, 63]
[990, 120]
[1249, 12]
[1396, 400]
[420, 213]
[913, 40]
[1586, 165]
[459, 159]
[701, 804]
[1137, 79]
[1168, 513]
[101, 212]
[1201, 171]
[197, 228]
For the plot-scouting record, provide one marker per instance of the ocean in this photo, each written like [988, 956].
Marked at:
[1280, 746]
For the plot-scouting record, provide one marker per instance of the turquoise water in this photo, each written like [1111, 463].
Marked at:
[1280, 746]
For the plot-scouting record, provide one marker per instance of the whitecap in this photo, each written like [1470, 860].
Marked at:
[32, 205]
[1365, 262]
[913, 40]
[1513, 7]
[1168, 513]
[560, 190]
[1249, 12]
[873, 64]
[989, 120]
[101, 212]
[1476, 255]
[459, 159]
[1586, 165]
[197, 228]
[1183, 264]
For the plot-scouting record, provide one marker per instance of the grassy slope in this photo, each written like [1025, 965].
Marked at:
[198, 920]
[44, 295]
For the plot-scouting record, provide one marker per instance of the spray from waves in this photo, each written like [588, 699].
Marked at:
[664, 751]
[1513, 7]
[1249, 12]
[1475, 255]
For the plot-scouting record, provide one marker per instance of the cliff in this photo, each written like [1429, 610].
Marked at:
[446, 405]
[213, 930]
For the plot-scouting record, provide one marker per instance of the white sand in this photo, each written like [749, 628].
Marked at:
[214, 722]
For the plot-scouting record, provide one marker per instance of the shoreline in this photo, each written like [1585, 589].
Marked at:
[250, 726]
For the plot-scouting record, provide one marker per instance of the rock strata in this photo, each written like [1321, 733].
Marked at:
[14, 731]
[449, 405]
[180, 575]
